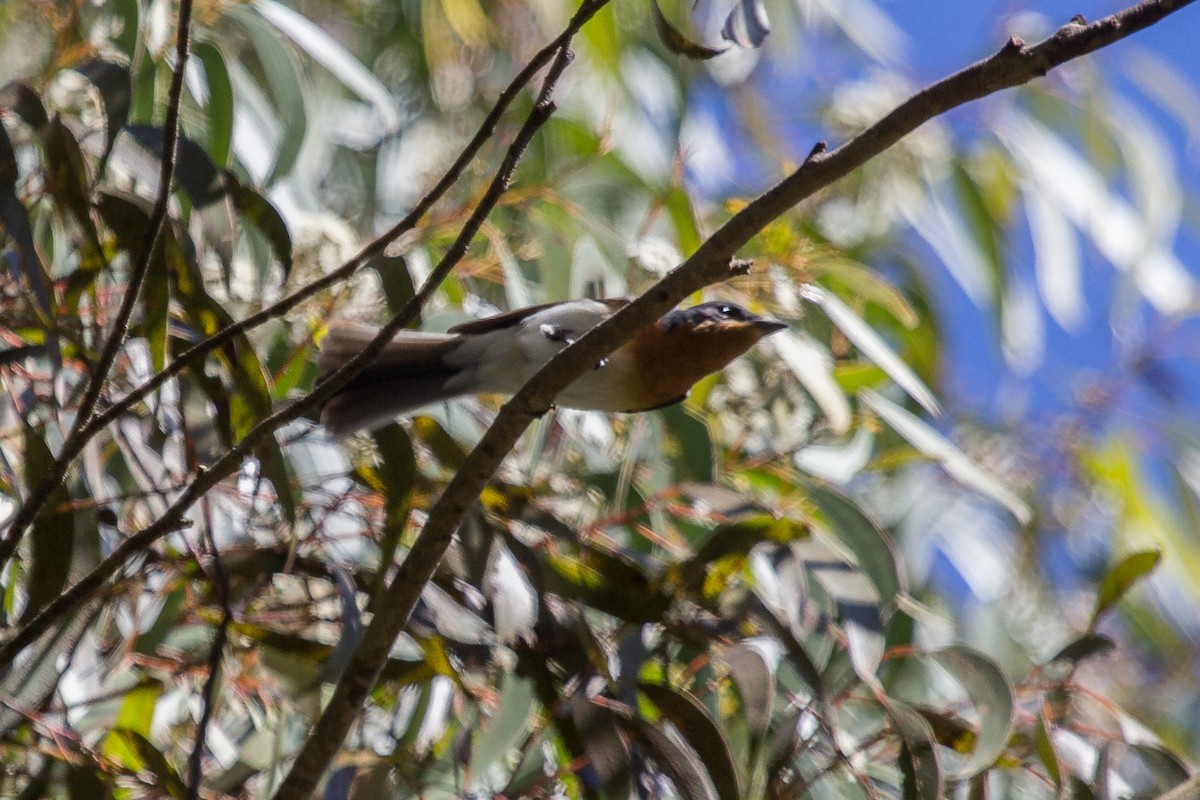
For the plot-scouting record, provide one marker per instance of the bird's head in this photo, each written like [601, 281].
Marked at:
[704, 338]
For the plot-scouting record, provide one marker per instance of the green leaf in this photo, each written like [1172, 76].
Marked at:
[505, 726]
[195, 172]
[259, 212]
[396, 281]
[220, 102]
[127, 216]
[696, 460]
[755, 684]
[865, 538]
[283, 82]
[52, 539]
[692, 720]
[607, 582]
[937, 447]
[987, 232]
[992, 693]
[918, 757]
[137, 709]
[872, 345]
[1121, 578]
[676, 42]
[1085, 647]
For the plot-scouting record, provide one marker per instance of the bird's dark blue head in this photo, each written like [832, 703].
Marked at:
[718, 315]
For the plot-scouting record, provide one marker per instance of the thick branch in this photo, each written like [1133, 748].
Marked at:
[713, 261]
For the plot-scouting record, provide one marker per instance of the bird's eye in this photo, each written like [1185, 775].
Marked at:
[726, 310]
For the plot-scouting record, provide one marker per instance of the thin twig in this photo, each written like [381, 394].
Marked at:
[108, 355]
[75, 443]
[206, 479]
[216, 651]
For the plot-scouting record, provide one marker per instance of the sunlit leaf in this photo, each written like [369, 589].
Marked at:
[811, 363]
[872, 346]
[1122, 577]
[940, 449]
[220, 102]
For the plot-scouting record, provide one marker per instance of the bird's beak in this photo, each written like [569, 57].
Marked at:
[768, 326]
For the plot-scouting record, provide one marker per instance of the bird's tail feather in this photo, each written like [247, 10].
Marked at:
[409, 372]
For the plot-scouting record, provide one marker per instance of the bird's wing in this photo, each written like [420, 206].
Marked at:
[515, 317]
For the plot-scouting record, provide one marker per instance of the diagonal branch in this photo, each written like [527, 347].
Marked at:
[714, 261]
[76, 439]
[75, 443]
[206, 479]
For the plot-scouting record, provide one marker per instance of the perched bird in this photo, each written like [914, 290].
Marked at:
[498, 355]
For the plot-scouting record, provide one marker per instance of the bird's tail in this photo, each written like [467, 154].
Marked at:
[409, 372]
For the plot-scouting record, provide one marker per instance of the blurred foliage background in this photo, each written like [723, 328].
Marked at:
[828, 573]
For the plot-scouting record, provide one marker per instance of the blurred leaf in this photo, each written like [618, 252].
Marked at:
[351, 625]
[25, 102]
[15, 221]
[755, 683]
[694, 723]
[258, 211]
[1085, 647]
[127, 216]
[610, 765]
[505, 726]
[83, 783]
[220, 101]
[194, 170]
[113, 83]
[1121, 578]
[695, 461]
[680, 763]
[283, 81]
[137, 709]
[918, 758]
[675, 41]
[607, 582]
[396, 281]
[52, 539]
[987, 231]
[1044, 747]
[863, 537]
[812, 365]
[747, 24]
[940, 449]
[1187, 790]
[328, 52]
[992, 693]
[872, 346]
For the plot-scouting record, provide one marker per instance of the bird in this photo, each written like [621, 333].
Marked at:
[499, 354]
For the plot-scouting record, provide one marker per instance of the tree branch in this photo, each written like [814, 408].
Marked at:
[76, 439]
[75, 443]
[713, 261]
[206, 479]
